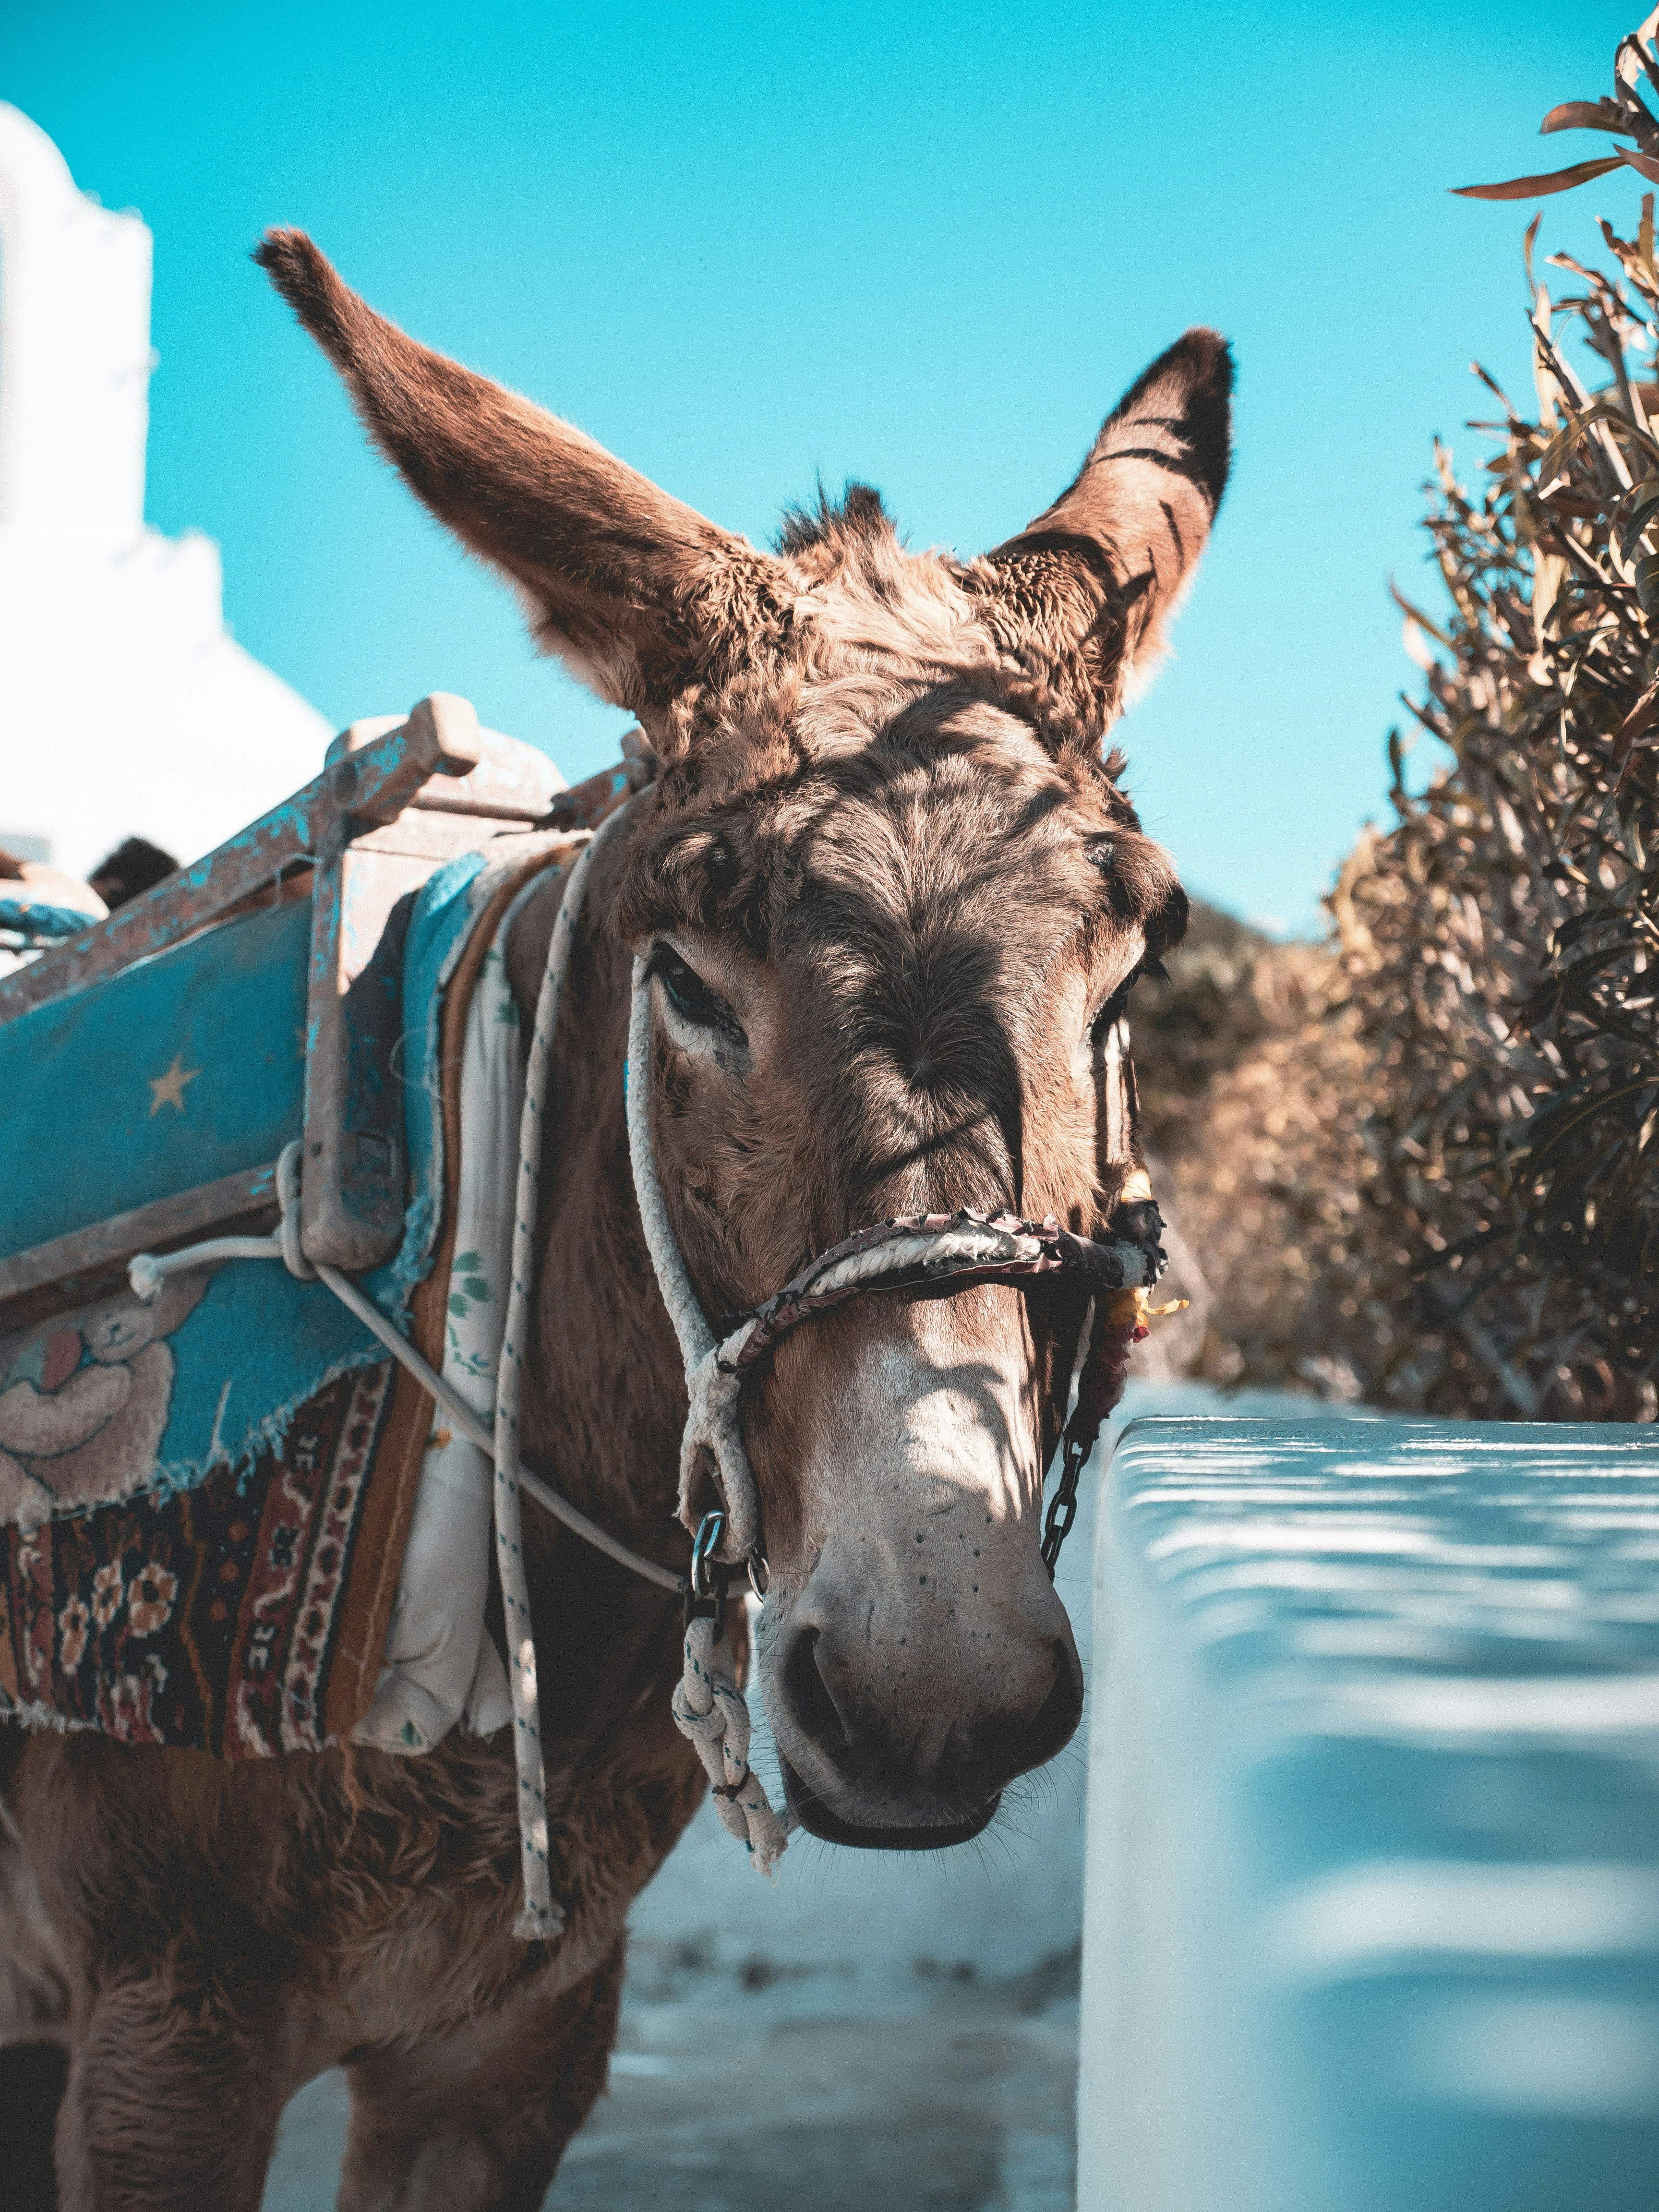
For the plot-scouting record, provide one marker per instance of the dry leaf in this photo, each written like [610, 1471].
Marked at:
[1558, 180]
[1587, 115]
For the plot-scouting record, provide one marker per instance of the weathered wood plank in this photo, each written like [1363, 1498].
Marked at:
[50, 1278]
[372, 785]
[351, 1203]
[585, 805]
[392, 803]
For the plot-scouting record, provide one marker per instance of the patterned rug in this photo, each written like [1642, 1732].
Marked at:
[243, 1617]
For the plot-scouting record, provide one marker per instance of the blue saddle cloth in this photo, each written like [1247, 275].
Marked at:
[186, 1067]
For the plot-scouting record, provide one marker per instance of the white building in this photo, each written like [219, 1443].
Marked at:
[125, 708]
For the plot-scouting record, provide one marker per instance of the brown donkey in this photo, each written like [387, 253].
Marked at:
[892, 898]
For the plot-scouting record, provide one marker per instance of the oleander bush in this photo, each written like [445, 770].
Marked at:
[1420, 1161]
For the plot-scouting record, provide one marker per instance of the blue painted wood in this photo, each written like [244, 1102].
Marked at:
[223, 1015]
[167, 1074]
[1373, 1895]
[168, 1054]
[169, 911]
[352, 794]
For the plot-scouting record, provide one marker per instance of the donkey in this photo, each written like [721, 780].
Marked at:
[892, 897]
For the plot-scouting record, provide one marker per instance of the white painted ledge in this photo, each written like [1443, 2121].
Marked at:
[1371, 1911]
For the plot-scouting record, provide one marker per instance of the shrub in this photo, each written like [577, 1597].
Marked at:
[1421, 1161]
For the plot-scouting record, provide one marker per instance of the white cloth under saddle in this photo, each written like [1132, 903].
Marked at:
[441, 1665]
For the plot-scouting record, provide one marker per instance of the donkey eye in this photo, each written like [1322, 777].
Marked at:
[1113, 1010]
[693, 1001]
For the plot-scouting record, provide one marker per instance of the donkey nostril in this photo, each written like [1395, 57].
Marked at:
[815, 1706]
[1050, 1727]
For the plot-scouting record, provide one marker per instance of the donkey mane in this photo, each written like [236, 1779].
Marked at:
[860, 512]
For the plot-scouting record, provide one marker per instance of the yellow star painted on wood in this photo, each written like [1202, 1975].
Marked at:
[168, 1089]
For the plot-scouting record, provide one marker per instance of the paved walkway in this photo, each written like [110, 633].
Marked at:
[960, 2101]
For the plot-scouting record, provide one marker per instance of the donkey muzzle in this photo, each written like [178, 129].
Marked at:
[907, 1691]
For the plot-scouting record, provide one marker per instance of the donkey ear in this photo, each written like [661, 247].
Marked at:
[1083, 594]
[636, 592]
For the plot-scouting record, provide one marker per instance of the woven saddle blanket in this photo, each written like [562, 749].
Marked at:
[227, 1519]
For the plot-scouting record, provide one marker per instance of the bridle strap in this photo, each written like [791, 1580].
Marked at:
[906, 1252]
[921, 1250]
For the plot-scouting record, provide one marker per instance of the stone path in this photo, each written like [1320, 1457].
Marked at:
[961, 2101]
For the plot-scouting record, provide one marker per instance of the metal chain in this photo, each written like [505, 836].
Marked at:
[1062, 1507]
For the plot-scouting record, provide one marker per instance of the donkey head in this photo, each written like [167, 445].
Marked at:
[893, 900]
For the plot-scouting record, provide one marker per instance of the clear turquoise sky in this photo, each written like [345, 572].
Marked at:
[925, 245]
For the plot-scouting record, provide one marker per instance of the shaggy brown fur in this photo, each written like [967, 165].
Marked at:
[892, 895]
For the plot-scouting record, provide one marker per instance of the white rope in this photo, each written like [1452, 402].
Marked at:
[147, 1271]
[474, 1429]
[709, 1708]
[898, 1253]
[539, 1917]
[713, 1433]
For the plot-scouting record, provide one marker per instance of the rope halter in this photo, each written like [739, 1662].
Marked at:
[907, 1252]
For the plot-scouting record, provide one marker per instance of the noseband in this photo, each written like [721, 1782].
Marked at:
[918, 1251]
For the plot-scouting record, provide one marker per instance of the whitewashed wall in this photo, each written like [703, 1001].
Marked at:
[125, 708]
[1372, 1913]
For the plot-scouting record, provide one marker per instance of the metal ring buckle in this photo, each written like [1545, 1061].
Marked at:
[704, 1545]
[760, 1576]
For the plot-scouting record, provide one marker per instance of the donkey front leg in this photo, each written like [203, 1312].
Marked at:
[171, 2102]
[477, 2121]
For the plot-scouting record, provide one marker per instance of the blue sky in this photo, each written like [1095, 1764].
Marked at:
[927, 246]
